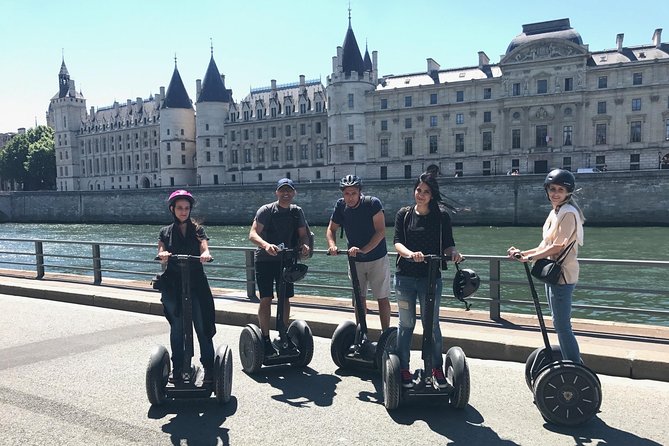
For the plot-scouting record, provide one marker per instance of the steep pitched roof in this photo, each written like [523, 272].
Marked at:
[176, 96]
[351, 58]
[368, 61]
[213, 88]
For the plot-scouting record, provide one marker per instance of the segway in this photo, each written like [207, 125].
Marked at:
[191, 382]
[295, 344]
[455, 367]
[566, 393]
[350, 346]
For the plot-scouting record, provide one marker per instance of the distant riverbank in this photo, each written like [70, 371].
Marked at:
[633, 198]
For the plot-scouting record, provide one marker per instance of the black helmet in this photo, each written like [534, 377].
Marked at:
[465, 283]
[295, 272]
[350, 180]
[562, 178]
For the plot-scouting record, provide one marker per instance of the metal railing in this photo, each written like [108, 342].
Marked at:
[597, 288]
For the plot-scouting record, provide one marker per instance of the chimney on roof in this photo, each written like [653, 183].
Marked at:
[223, 78]
[301, 80]
[483, 59]
[92, 111]
[657, 37]
[619, 41]
[198, 87]
[433, 69]
[128, 102]
[273, 83]
[162, 92]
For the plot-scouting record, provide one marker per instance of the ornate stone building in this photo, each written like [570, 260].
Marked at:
[549, 102]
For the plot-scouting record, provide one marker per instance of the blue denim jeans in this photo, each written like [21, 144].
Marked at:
[409, 290]
[559, 299]
[177, 332]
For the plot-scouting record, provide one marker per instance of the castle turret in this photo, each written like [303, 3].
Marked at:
[67, 109]
[177, 135]
[212, 108]
[352, 78]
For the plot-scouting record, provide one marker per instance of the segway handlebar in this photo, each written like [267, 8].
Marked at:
[184, 257]
[428, 257]
[344, 251]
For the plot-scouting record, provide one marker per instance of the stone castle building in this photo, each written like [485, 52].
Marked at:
[549, 102]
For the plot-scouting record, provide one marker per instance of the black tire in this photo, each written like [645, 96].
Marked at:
[387, 342]
[223, 374]
[300, 335]
[537, 361]
[567, 394]
[342, 339]
[157, 374]
[251, 349]
[456, 371]
[392, 385]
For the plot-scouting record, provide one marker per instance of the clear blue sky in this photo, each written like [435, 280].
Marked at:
[120, 49]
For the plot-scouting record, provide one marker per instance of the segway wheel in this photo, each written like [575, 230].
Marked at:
[223, 374]
[567, 394]
[387, 342]
[342, 340]
[537, 361]
[457, 375]
[251, 349]
[392, 386]
[157, 374]
[300, 335]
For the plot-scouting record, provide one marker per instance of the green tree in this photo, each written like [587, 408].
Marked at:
[30, 159]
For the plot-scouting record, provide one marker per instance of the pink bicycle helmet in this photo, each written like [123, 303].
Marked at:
[177, 194]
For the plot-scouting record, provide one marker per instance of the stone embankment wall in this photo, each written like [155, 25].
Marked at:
[639, 198]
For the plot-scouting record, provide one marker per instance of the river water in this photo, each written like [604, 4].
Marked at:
[649, 243]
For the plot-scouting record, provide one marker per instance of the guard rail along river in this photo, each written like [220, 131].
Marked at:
[502, 302]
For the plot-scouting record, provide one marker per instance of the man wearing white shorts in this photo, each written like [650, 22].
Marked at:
[364, 223]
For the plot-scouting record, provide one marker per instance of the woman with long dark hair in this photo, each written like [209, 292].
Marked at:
[420, 229]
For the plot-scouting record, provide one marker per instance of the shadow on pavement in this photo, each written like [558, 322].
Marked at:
[299, 386]
[196, 422]
[461, 426]
[597, 431]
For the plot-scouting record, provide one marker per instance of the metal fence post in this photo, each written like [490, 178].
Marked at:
[39, 259]
[250, 275]
[495, 297]
[97, 265]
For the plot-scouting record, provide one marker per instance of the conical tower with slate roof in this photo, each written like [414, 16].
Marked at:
[347, 87]
[67, 109]
[213, 102]
[177, 135]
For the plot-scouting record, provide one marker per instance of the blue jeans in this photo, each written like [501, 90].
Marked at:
[177, 332]
[410, 289]
[559, 299]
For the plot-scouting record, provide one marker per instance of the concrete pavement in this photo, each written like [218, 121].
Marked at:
[609, 348]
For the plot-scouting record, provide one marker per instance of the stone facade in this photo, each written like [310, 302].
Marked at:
[549, 102]
[640, 200]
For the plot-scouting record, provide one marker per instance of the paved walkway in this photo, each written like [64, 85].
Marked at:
[610, 348]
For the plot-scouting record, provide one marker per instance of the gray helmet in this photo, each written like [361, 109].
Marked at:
[562, 178]
[350, 180]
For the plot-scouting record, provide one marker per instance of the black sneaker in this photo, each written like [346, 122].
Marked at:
[439, 378]
[175, 378]
[407, 378]
[208, 376]
[269, 349]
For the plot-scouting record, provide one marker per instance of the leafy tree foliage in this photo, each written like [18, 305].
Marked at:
[30, 160]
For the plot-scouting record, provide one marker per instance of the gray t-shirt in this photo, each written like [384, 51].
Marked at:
[280, 225]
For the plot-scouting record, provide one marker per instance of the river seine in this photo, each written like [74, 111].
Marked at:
[648, 243]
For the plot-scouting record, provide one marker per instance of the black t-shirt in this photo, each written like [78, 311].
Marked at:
[421, 233]
[176, 243]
